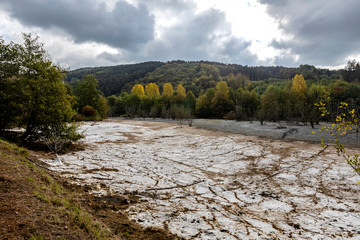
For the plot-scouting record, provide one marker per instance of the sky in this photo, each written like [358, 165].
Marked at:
[89, 33]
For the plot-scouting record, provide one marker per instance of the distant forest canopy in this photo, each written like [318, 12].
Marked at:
[197, 76]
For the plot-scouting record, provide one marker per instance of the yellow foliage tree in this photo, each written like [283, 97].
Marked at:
[138, 90]
[202, 102]
[299, 86]
[180, 91]
[152, 90]
[168, 90]
[223, 88]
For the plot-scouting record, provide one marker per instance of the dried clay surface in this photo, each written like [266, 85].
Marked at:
[202, 184]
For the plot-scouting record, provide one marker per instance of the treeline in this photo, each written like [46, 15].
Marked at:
[194, 76]
[236, 97]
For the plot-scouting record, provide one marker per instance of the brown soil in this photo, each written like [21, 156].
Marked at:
[36, 205]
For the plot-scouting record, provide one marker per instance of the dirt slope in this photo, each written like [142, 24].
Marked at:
[35, 205]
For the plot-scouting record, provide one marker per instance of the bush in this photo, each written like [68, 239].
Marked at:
[88, 111]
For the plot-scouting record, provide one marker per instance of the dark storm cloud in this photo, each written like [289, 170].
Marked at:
[203, 36]
[323, 32]
[126, 26]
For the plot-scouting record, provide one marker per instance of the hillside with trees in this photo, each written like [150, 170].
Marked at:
[180, 89]
[112, 80]
[194, 76]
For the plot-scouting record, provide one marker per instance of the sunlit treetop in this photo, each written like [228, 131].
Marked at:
[138, 90]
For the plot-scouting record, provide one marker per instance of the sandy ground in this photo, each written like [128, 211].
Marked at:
[203, 184]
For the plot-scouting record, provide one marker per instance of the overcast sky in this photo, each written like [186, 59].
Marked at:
[81, 33]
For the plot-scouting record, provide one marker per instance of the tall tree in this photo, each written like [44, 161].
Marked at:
[138, 90]
[351, 73]
[179, 97]
[220, 103]
[168, 90]
[299, 86]
[190, 102]
[152, 90]
[34, 87]
[299, 90]
[88, 94]
[180, 91]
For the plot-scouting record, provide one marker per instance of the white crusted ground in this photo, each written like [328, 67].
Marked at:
[203, 184]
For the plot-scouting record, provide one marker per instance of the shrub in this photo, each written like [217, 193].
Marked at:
[88, 111]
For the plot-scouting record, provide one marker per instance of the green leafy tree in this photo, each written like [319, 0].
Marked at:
[238, 81]
[9, 76]
[133, 108]
[351, 73]
[34, 88]
[246, 104]
[203, 103]
[316, 94]
[120, 104]
[88, 94]
[271, 103]
[190, 102]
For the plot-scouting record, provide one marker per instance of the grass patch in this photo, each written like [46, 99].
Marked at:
[42, 197]
[30, 179]
[85, 221]
[32, 237]
[14, 148]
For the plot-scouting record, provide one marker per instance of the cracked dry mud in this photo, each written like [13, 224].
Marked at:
[202, 184]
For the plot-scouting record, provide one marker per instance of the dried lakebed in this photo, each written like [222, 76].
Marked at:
[202, 184]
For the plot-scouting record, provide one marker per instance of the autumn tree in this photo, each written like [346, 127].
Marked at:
[299, 87]
[138, 90]
[299, 90]
[220, 104]
[168, 90]
[152, 90]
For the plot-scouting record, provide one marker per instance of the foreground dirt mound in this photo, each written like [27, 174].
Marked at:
[34, 205]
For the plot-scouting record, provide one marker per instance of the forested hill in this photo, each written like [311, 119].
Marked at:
[194, 76]
[114, 78]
